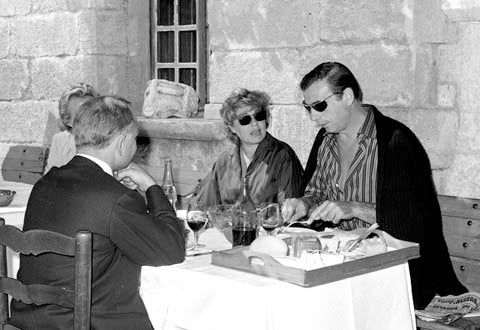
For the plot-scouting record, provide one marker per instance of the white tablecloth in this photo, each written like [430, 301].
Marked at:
[13, 215]
[196, 295]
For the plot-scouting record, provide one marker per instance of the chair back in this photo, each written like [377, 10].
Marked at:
[41, 241]
[22, 163]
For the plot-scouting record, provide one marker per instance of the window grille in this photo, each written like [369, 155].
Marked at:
[178, 43]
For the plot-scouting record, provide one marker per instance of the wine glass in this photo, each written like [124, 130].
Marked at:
[197, 218]
[269, 217]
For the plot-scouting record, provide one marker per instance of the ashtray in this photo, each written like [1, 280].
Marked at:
[6, 197]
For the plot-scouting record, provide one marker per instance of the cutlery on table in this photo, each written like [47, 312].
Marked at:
[352, 244]
[305, 222]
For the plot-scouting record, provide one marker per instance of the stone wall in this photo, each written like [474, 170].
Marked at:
[459, 73]
[415, 60]
[47, 45]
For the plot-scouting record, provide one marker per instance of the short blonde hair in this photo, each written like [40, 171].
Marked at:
[240, 98]
[78, 90]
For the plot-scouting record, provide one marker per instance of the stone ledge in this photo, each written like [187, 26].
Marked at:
[212, 111]
[193, 129]
[461, 10]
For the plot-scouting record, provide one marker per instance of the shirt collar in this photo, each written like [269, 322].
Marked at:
[368, 128]
[266, 144]
[104, 166]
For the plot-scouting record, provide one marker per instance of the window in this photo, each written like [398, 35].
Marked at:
[178, 43]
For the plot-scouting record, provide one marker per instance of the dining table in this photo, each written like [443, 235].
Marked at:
[196, 295]
[13, 215]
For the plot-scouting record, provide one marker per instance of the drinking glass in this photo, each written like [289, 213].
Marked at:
[270, 217]
[197, 218]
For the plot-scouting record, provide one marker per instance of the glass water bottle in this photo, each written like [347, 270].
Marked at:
[168, 185]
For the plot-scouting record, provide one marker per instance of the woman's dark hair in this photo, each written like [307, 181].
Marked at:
[338, 77]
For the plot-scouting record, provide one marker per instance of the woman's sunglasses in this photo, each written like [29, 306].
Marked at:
[247, 119]
[319, 106]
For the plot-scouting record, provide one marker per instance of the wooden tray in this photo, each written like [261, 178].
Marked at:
[240, 258]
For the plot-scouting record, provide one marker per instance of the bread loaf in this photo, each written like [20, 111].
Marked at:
[270, 245]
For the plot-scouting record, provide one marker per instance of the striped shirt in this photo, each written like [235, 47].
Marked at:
[361, 180]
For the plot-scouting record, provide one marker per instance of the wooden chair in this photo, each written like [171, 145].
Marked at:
[424, 325]
[461, 324]
[461, 228]
[41, 241]
[22, 163]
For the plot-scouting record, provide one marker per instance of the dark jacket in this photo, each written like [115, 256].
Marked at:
[407, 206]
[275, 173]
[126, 235]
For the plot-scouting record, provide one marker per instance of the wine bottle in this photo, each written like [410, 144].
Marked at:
[244, 227]
[246, 202]
[168, 185]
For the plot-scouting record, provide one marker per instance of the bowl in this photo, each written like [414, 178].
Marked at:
[6, 197]
[220, 215]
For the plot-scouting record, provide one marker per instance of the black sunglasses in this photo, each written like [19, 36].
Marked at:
[247, 119]
[319, 106]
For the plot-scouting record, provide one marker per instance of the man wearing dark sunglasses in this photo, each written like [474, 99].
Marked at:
[364, 168]
[274, 170]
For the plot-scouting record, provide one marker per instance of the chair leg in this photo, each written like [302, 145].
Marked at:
[3, 273]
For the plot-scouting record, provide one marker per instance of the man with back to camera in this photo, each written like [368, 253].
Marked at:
[365, 168]
[127, 232]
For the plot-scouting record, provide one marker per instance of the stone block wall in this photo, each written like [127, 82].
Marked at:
[47, 45]
[459, 73]
[413, 59]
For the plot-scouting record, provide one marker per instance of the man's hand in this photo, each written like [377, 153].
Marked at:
[127, 182]
[332, 211]
[293, 209]
[134, 177]
[336, 211]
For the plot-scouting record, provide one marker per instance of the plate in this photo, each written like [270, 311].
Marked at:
[289, 232]
[298, 230]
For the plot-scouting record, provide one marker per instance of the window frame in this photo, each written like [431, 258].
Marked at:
[201, 39]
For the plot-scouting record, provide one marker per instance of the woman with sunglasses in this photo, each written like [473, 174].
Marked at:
[273, 168]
